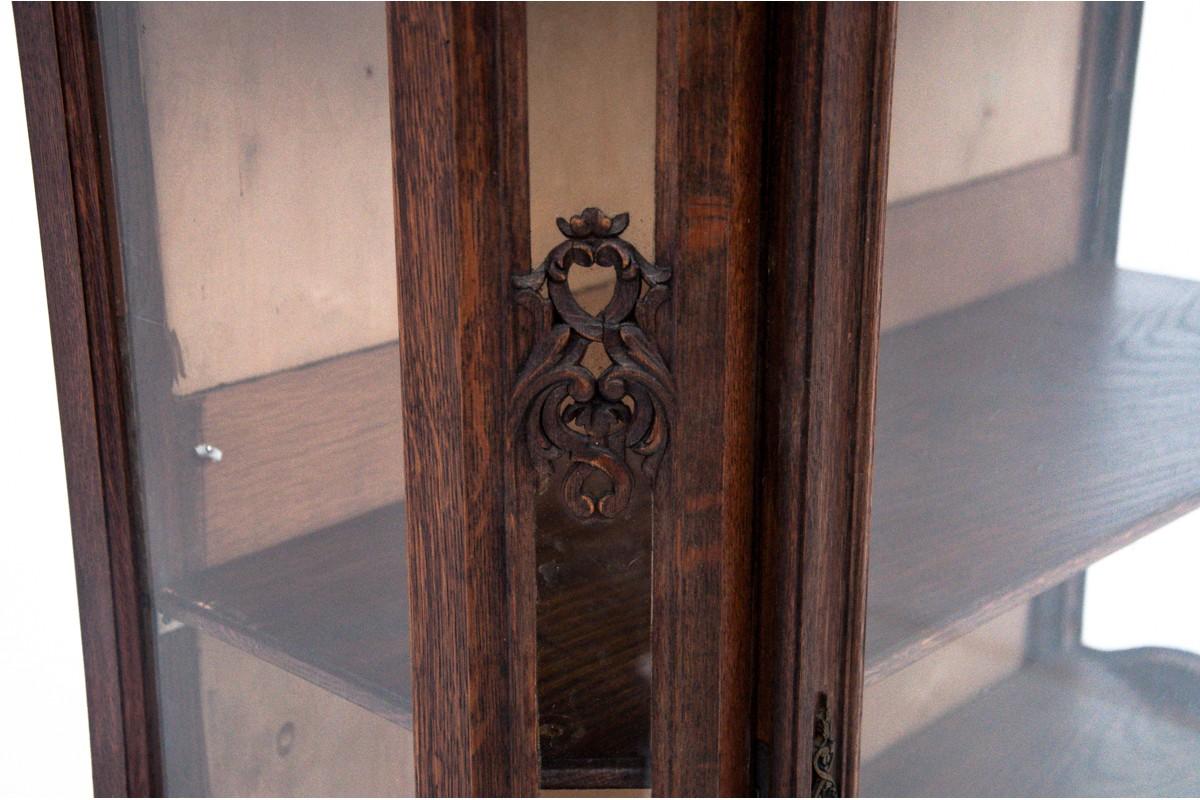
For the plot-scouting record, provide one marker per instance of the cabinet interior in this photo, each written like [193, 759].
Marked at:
[1033, 415]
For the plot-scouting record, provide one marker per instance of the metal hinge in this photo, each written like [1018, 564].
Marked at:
[166, 624]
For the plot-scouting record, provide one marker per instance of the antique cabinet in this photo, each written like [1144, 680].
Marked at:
[487, 399]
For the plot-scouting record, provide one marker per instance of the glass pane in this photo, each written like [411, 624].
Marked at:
[252, 157]
[593, 148]
[1031, 626]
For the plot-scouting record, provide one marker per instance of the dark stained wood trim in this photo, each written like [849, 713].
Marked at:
[459, 228]
[709, 223]
[827, 149]
[1056, 621]
[1113, 33]
[60, 70]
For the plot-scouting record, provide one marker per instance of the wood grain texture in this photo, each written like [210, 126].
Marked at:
[301, 450]
[593, 648]
[1092, 724]
[1022, 438]
[459, 232]
[64, 104]
[832, 67]
[708, 229]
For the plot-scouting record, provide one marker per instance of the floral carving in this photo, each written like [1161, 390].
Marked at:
[597, 433]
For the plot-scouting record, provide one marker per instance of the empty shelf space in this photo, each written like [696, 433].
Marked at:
[1092, 724]
[1021, 438]
[330, 607]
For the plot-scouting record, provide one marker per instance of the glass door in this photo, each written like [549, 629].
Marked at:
[250, 151]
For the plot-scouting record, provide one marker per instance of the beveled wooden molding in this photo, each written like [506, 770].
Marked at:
[614, 426]
[65, 110]
[458, 124]
[827, 146]
[711, 75]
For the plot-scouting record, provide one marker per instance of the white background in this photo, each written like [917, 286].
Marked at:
[1149, 593]
[1146, 594]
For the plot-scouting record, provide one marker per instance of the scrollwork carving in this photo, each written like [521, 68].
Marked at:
[598, 433]
[823, 783]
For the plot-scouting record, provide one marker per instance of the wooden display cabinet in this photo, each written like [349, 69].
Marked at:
[396, 466]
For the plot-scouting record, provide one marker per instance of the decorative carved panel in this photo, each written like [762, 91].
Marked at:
[602, 436]
[823, 782]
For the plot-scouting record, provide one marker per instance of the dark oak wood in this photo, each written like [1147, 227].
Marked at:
[1020, 439]
[297, 446]
[604, 773]
[461, 226]
[827, 148]
[711, 75]
[1090, 724]
[596, 438]
[59, 62]
[593, 647]
[1055, 621]
[1112, 36]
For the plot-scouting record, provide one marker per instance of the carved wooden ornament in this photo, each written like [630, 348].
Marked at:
[823, 783]
[597, 433]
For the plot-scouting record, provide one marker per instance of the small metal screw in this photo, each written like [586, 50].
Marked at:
[209, 452]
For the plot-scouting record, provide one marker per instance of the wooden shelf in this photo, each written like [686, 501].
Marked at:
[1093, 724]
[330, 607]
[1021, 438]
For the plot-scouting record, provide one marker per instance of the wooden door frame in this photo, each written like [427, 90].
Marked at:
[827, 145]
[65, 113]
[462, 223]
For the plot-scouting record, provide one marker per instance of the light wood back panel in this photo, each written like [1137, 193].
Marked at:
[980, 88]
[906, 701]
[271, 734]
[271, 151]
[988, 170]
[951, 248]
[591, 133]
